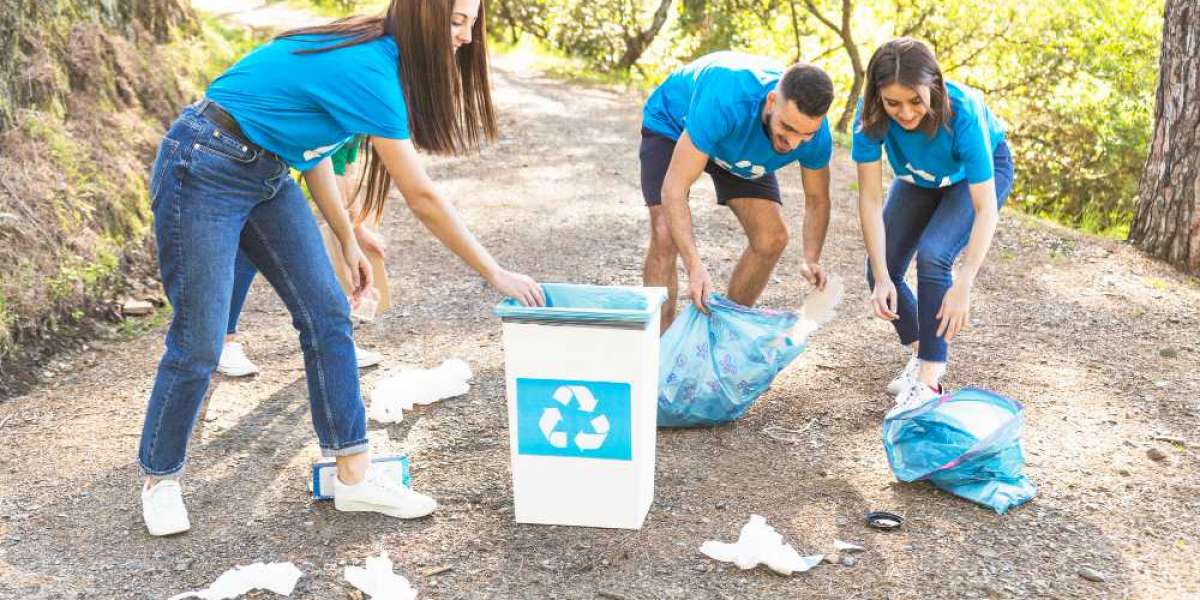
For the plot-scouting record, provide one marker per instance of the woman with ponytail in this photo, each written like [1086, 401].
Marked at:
[413, 79]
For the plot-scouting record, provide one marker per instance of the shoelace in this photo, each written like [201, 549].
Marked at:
[909, 394]
[379, 480]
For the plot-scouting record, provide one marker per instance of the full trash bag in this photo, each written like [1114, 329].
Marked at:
[967, 443]
[713, 367]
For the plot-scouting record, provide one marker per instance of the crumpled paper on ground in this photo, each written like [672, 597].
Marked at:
[277, 577]
[379, 582]
[759, 543]
[398, 393]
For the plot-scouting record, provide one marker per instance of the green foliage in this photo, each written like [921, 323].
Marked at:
[130, 328]
[608, 34]
[1074, 80]
[342, 8]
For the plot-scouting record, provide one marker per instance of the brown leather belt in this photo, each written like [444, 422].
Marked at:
[213, 112]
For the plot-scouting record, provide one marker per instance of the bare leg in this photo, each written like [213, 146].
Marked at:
[351, 468]
[762, 220]
[661, 259]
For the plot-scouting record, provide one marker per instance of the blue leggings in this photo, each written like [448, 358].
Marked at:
[935, 225]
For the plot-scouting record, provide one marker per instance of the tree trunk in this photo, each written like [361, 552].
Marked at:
[843, 31]
[1167, 222]
[637, 43]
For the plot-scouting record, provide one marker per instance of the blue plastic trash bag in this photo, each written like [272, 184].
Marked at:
[713, 367]
[967, 443]
[593, 304]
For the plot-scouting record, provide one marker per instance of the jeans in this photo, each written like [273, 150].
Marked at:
[214, 195]
[935, 225]
[243, 275]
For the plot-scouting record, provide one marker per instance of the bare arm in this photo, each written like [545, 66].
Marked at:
[323, 186]
[816, 222]
[443, 221]
[870, 217]
[687, 163]
[955, 311]
[983, 197]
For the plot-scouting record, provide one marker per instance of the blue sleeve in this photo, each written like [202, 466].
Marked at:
[971, 144]
[708, 118]
[863, 148]
[819, 149]
[369, 100]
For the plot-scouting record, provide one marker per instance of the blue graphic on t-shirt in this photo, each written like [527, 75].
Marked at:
[718, 99]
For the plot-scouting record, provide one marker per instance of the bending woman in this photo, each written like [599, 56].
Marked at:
[415, 78]
[953, 173]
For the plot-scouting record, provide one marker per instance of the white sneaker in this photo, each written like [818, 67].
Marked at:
[376, 493]
[233, 361]
[907, 375]
[367, 358]
[916, 394]
[163, 509]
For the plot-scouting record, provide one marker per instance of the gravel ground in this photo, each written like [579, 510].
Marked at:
[1101, 344]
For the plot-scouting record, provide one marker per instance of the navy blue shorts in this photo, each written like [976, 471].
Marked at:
[655, 156]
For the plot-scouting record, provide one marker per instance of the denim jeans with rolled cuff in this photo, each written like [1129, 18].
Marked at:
[214, 194]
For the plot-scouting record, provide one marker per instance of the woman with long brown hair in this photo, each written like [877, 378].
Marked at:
[953, 173]
[415, 78]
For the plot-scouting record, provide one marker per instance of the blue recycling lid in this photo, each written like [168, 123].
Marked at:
[569, 303]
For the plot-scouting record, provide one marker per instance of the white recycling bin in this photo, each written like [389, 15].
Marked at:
[582, 388]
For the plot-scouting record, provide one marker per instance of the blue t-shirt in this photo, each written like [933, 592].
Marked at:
[719, 100]
[962, 149]
[303, 107]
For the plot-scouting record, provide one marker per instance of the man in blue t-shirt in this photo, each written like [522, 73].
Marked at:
[739, 118]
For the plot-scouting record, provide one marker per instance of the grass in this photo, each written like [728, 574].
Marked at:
[132, 327]
[1158, 285]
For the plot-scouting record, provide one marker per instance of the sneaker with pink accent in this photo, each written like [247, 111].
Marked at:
[917, 394]
[905, 378]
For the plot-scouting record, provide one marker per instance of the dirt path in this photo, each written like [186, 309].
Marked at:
[1100, 344]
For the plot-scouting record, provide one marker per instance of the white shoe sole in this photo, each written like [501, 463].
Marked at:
[896, 387]
[369, 362]
[233, 372]
[391, 511]
[169, 531]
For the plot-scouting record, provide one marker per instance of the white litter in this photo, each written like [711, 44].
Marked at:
[818, 308]
[841, 546]
[277, 577]
[398, 393]
[759, 543]
[379, 582]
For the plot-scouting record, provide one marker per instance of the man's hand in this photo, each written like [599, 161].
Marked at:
[699, 287]
[814, 274]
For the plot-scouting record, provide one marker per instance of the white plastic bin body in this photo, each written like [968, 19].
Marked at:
[582, 389]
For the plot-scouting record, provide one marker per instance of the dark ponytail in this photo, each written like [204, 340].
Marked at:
[448, 96]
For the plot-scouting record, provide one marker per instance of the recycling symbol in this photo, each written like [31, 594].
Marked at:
[552, 416]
